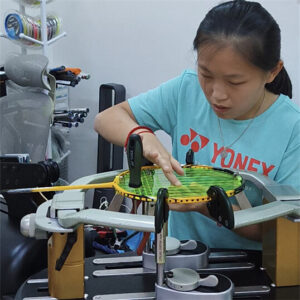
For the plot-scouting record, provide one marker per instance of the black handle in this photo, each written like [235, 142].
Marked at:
[71, 240]
[161, 209]
[134, 158]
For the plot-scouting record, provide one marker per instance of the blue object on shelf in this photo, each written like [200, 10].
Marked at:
[13, 26]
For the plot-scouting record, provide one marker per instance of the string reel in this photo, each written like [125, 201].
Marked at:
[16, 23]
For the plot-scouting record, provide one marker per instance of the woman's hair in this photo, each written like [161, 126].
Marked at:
[252, 31]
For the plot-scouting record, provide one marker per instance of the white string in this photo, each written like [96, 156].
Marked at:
[43, 196]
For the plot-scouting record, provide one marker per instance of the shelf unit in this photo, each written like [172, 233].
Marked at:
[44, 42]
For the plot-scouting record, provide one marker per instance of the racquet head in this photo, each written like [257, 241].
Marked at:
[196, 181]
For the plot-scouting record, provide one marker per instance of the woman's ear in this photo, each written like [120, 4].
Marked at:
[274, 72]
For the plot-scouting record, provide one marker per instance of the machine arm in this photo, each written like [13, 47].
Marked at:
[282, 200]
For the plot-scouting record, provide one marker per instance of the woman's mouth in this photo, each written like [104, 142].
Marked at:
[219, 108]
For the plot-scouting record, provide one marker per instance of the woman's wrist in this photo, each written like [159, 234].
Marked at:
[137, 130]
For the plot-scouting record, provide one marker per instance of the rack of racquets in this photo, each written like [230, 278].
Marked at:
[70, 118]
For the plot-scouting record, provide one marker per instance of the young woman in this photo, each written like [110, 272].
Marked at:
[235, 112]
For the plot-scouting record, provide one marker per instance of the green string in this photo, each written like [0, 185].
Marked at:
[195, 182]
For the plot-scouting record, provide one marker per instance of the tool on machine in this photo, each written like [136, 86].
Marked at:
[174, 246]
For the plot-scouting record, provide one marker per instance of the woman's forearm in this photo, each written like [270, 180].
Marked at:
[115, 123]
[252, 232]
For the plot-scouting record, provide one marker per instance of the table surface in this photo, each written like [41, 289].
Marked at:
[145, 282]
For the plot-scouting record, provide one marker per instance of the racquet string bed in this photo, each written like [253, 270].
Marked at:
[195, 183]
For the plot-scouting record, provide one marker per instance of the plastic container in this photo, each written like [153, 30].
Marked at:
[16, 24]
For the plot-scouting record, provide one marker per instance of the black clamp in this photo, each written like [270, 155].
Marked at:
[220, 207]
[135, 160]
[190, 158]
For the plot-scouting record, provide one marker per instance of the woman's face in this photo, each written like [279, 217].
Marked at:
[233, 86]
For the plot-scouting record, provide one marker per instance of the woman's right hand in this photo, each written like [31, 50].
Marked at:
[155, 152]
[115, 123]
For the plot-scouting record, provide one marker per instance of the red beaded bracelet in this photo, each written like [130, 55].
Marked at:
[147, 129]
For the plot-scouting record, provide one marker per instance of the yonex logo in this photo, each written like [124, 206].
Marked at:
[195, 145]
[234, 159]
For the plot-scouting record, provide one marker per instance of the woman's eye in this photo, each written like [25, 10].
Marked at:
[236, 83]
[205, 76]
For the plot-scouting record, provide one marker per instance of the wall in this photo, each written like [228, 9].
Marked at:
[137, 43]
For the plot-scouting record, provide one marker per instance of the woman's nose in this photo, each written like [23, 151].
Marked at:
[218, 92]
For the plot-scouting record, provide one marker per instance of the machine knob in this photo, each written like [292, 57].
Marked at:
[27, 225]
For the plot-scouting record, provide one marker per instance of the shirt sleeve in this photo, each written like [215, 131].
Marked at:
[157, 108]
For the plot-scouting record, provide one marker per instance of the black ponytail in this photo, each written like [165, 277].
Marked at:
[281, 84]
[253, 32]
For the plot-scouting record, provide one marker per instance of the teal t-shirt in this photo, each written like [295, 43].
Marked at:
[270, 146]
